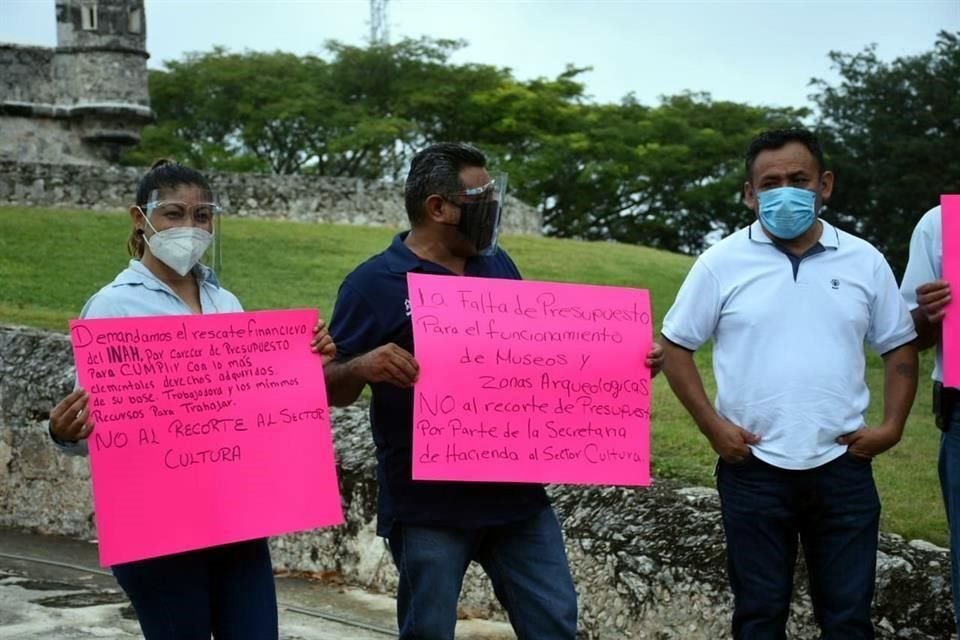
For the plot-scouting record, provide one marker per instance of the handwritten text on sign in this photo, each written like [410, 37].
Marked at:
[950, 220]
[530, 381]
[209, 429]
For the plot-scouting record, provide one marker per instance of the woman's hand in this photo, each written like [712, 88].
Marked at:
[70, 420]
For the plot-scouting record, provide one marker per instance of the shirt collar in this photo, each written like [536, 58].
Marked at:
[399, 257]
[137, 273]
[829, 237]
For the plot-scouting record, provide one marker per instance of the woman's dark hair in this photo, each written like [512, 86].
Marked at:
[163, 174]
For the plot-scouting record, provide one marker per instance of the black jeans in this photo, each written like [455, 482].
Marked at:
[227, 591]
[833, 511]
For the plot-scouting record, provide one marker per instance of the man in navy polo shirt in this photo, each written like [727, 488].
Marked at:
[435, 529]
[789, 303]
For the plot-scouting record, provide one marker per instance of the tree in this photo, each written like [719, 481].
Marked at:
[360, 114]
[261, 111]
[667, 176]
[892, 131]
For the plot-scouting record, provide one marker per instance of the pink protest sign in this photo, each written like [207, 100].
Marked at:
[530, 381]
[209, 429]
[950, 221]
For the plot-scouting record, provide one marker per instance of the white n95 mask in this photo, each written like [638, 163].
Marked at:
[180, 248]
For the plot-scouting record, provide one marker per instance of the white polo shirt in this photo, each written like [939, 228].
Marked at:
[925, 265]
[788, 350]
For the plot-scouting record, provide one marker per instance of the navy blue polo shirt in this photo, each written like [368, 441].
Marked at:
[373, 309]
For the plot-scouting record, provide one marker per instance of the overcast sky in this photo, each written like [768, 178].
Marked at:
[753, 52]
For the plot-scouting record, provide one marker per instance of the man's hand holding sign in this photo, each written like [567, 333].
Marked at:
[526, 381]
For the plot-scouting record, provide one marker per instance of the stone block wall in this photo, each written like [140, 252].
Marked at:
[84, 101]
[26, 74]
[303, 198]
[648, 563]
[115, 28]
[100, 77]
[38, 139]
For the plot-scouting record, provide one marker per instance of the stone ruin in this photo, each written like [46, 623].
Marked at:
[84, 101]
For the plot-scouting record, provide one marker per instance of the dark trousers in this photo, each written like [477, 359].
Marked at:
[227, 591]
[833, 511]
[950, 485]
[526, 562]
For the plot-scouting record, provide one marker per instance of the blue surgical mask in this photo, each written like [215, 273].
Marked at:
[787, 212]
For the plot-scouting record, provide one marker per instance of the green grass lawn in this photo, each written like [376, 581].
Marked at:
[51, 261]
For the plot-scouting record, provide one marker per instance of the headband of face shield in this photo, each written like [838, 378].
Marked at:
[481, 211]
[191, 230]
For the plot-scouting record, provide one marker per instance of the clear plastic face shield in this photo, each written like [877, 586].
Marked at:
[180, 219]
[481, 212]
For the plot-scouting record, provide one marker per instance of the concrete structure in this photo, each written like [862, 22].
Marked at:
[85, 101]
[52, 589]
[290, 197]
[648, 563]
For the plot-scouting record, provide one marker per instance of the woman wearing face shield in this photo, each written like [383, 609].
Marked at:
[227, 591]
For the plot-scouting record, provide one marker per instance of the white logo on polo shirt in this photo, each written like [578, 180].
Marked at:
[406, 307]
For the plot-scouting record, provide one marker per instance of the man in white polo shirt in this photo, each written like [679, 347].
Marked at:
[927, 296]
[789, 302]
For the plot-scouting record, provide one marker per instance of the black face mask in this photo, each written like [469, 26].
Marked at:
[479, 223]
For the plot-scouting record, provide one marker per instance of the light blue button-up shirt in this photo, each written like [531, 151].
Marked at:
[136, 292]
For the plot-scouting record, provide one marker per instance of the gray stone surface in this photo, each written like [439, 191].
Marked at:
[52, 589]
[71, 610]
[27, 74]
[38, 139]
[303, 198]
[117, 27]
[105, 77]
[648, 563]
[85, 101]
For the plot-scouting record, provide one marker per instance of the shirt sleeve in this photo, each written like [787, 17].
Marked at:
[924, 264]
[693, 318]
[78, 448]
[891, 325]
[354, 326]
[101, 305]
[228, 303]
[510, 265]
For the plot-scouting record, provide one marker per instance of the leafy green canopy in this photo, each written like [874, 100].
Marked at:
[666, 176]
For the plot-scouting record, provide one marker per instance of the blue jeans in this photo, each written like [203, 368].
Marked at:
[526, 562]
[833, 511]
[949, 466]
[227, 591]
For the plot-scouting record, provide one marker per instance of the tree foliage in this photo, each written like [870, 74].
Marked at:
[892, 131]
[668, 175]
[361, 114]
